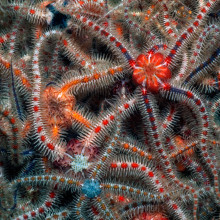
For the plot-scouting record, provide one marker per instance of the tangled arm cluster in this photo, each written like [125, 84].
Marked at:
[109, 109]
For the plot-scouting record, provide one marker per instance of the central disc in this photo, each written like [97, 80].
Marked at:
[91, 188]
